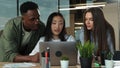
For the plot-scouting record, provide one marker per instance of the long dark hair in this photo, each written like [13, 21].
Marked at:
[101, 28]
[48, 32]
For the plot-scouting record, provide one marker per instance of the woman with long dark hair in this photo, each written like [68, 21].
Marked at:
[55, 31]
[98, 31]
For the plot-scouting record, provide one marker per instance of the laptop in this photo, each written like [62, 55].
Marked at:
[58, 49]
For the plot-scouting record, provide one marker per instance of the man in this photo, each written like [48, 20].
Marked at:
[21, 34]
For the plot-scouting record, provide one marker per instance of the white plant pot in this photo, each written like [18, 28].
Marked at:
[109, 63]
[64, 63]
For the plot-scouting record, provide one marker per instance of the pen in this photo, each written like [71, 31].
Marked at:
[47, 55]
[46, 59]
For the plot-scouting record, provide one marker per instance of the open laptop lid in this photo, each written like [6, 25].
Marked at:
[58, 49]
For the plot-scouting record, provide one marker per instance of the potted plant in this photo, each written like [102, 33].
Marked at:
[86, 54]
[64, 62]
[109, 60]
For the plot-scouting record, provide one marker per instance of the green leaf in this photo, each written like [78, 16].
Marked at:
[109, 56]
[64, 57]
[86, 50]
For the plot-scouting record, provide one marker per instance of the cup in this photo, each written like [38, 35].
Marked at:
[43, 63]
[109, 63]
[64, 64]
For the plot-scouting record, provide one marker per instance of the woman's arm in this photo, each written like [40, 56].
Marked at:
[36, 49]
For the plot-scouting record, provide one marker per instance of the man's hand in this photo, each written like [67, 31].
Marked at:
[35, 58]
[21, 58]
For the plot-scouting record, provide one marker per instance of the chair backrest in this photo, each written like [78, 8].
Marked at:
[116, 55]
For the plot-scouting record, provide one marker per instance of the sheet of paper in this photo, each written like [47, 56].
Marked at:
[18, 65]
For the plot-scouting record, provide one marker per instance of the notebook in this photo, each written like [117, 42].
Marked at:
[58, 49]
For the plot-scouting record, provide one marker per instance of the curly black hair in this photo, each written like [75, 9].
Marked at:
[29, 5]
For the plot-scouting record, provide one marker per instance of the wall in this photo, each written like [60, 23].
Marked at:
[70, 29]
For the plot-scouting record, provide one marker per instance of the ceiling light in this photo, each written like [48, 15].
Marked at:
[83, 6]
[78, 23]
[78, 27]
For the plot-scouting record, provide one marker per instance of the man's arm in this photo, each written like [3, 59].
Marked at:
[9, 45]
[33, 58]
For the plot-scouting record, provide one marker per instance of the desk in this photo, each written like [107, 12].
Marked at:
[38, 65]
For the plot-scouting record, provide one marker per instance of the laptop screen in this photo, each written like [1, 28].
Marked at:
[58, 49]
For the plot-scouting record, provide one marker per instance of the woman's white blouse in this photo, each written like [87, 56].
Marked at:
[36, 49]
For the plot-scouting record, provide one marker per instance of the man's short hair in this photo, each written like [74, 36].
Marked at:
[29, 5]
